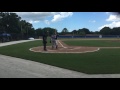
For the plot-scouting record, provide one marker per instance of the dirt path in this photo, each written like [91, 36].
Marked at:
[64, 48]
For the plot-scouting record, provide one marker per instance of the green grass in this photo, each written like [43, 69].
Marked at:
[105, 61]
[95, 43]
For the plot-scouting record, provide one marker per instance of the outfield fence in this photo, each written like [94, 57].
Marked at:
[102, 36]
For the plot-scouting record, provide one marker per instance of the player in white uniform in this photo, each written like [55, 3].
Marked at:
[54, 41]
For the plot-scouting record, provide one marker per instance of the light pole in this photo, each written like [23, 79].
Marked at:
[21, 32]
[27, 32]
[7, 27]
[35, 34]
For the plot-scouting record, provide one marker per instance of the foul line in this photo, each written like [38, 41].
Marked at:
[61, 44]
[73, 52]
[63, 52]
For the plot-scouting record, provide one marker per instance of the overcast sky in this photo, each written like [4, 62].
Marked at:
[94, 21]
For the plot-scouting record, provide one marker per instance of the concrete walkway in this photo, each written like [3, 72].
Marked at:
[15, 42]
[11, 67]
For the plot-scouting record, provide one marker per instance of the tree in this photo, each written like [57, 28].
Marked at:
[2, 24]
[28, 28]
[81, 32]
[39, 32]
[47, 30]
[74, 32]
[64, 31]
[86, 30]
[105, 31]
[22, 28]
[115, 31]
[10, 22]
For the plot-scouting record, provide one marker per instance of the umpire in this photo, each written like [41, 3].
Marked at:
[44, 36]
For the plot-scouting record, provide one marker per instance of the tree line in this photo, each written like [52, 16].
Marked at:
[11, 23]
[109, 31]
[84, 31]
[20, 29]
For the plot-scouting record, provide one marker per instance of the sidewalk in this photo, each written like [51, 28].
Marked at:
[19, 68]
[15, 42]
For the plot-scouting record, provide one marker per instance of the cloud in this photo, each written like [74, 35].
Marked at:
[111, 25]
[92, 21]
[107, 13]
[33, 21]
[113, 18]
[35, 17]
[60, 16]
[47, 22]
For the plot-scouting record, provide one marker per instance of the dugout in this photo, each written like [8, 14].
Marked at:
[5, 37]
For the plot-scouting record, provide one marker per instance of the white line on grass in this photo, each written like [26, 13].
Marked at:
[64, 52]
[61, 44]
[74, 52]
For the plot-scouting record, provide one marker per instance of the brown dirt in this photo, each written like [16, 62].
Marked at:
[65, 49]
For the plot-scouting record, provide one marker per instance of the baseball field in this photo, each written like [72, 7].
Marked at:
[94, 56]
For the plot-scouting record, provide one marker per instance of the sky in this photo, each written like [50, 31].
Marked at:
[94, 21]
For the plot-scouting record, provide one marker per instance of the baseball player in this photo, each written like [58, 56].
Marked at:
[44, 36]
[54, 41]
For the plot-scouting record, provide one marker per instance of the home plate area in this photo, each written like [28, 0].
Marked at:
[63, 48]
